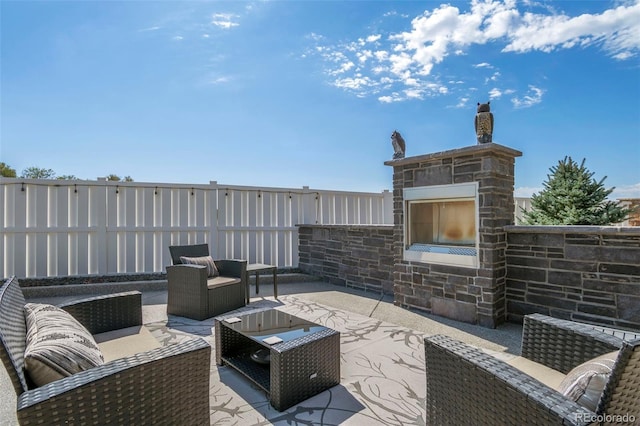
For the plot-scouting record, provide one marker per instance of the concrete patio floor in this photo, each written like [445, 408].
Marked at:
[506, 338]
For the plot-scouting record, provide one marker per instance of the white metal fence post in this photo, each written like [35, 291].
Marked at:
[214, 200]
[100, 246]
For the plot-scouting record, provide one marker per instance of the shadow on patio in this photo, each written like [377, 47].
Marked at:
[382, 356]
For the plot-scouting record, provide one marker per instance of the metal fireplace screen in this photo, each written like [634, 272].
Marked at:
[441, 224]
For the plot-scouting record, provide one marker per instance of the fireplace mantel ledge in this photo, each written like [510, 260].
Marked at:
[469, 150]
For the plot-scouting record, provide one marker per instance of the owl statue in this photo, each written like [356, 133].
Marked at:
[398, 145]
[484, 123]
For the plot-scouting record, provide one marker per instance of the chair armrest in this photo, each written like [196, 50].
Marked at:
[467, 386]
[105, 313]
[187, 271]
[232, 268]
[164, 386]
[563, 345]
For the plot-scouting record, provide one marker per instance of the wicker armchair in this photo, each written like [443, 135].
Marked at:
[168, 385]
[192, 294]
[466, 386]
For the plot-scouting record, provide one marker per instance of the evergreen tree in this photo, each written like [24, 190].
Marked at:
[572, 197]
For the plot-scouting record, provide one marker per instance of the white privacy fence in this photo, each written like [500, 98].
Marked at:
[522, 203]
[60, 227]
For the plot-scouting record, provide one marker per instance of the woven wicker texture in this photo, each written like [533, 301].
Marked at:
[193, 250]
[466, 385]
[299, 368]
[188, 294]
[304, 367]
[621, 395]
[168, 385]
[105, 313]
[580, 343]
[13, 332]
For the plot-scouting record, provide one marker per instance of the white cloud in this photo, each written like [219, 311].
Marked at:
[315, 37]
[364, 55]
[462, 103]
[408, 59]
[353, 83]
[178, 38]
[495, 93]
[526, 192]
[394, 97]
[533, 97]
[224, 20]
[617, 30]
[626, 191]
[373, 38]
[219, 80]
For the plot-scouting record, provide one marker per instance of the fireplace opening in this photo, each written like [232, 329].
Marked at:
[440, 224]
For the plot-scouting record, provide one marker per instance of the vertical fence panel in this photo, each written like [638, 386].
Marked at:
[57, 228]
[111, 237]
[130, 231]
[97, 196]
[58, 213]
[82, 222]
[521, 204]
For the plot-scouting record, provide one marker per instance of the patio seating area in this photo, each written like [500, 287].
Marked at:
[382, 356]
[386, 356]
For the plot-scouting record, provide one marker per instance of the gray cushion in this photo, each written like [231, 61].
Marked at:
[207, 261]
[58, 345]
[222, 281]
[585, 383]
[125, 342]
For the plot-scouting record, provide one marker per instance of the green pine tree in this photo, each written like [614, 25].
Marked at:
[572, 197]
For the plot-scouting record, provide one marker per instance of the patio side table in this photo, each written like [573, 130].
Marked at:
[303, 357]
[257, 268]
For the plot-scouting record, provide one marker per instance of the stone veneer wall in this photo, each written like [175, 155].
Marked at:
[589, 274]
[582, 273]
[359, 256]
[475, 295]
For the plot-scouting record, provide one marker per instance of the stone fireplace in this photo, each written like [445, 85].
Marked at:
[450, 209]
[441, 224]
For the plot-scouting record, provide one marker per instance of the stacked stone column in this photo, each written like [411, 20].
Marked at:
[474, 295]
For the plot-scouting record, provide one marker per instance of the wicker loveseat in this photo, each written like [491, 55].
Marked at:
[466, 386]
[167, 385]
[192, 293]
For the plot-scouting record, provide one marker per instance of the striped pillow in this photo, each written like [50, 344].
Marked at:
[207, 261]
[58, 345]
[585, 383]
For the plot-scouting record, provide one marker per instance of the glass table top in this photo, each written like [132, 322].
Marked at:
[272, 326]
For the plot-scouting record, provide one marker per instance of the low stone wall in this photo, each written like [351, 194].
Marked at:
[359, 256]
[90, 279]
[589, 274]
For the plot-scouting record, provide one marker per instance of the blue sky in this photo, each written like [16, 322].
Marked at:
[293, 93]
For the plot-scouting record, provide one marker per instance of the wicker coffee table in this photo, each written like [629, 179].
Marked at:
[304, 357]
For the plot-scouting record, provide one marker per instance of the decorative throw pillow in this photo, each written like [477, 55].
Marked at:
[207, 261]
[585, 383]
[58, 345]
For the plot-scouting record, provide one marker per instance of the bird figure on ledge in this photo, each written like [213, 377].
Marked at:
[398, 144]
[484, 123]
